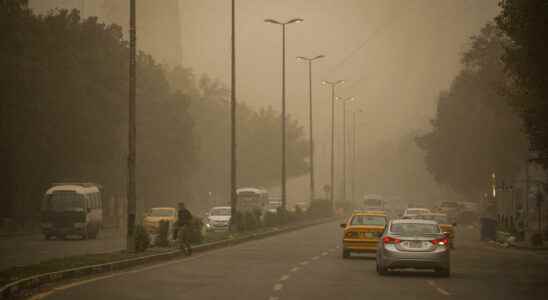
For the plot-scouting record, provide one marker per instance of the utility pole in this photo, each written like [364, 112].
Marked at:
[310, 116]
[233, 158]
[332, 84]
[131, 187]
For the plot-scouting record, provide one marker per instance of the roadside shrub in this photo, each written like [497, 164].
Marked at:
[283, 215]
[163, 234]
[258, 214]
[270, 219]
[142, 239]
[195, 232]
[250, 221]
[299, 213]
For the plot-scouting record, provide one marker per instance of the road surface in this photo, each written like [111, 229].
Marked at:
[32, 249]
[307, 264]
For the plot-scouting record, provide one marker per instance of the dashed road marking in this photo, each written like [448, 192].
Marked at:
[284, 278]
[295, 269]
[443, 292]
[273, 298]
[278, 287]
[325, 253]
[315, 258]
[430, 282]
[304, 263]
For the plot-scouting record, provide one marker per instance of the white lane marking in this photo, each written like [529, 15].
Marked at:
[432, 283]
[331, 250]
[443, 292]
[295, 269]
[338, 247]
[273, 298]
[304, 263]
[278, 287]
[284, 278]
[325, 253]
[315, 258]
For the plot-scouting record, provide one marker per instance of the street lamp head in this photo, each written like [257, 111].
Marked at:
[324, 82]
[318, 57]
[296, 20]
[272, 21]
[301, 58]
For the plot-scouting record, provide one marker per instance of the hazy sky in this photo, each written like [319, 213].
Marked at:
[396, 56]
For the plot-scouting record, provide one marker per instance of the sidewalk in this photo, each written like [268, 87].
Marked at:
[525, 245]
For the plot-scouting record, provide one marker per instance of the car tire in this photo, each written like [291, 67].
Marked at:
[345, 253]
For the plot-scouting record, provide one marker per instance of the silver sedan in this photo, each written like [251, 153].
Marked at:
[416, 244]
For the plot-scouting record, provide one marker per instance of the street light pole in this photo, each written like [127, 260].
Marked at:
[310, 115]
[332, 84]
[344, 100]
[284, 180]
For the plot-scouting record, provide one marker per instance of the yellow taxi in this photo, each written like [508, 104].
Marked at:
[362, 232]
[153, 218]
[445, 225]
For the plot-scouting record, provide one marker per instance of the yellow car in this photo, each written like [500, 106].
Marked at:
[362, 232]
[445, 225]
[157, 214]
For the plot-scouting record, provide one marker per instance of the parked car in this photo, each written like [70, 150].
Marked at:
[218, 218]
[417, 244]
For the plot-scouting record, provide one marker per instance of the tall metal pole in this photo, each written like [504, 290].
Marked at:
[332, 144]
[283, 177]
[131, 187]
[233, 157]
[353, 157]
[284, 191]
[344, 151]
[312, 187]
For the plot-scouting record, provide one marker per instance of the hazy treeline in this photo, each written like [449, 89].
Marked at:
[496, 109]
[64, 91]
[476, 132]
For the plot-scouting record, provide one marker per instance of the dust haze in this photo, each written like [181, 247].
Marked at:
[395, 56]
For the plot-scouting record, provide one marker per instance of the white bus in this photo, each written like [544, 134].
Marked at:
[372, 201]
[72, 209]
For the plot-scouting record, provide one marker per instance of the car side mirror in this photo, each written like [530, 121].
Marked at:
[343, 225]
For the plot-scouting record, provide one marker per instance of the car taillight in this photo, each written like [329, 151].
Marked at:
[441, 242]
[390, 240]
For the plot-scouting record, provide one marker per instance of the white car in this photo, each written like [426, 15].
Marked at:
[413, 212]
[218, 218]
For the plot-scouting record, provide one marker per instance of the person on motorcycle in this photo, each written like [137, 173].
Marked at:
[184, 218]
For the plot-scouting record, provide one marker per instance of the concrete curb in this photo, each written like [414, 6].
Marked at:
[25, 286]
[530, 248]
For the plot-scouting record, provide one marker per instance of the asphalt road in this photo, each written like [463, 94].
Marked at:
[307, 264]
[32, 249]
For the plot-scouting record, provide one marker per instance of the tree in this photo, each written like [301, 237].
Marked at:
[526, 59]
[475, 131]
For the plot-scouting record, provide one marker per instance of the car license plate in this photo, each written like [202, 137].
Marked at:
[415, 244]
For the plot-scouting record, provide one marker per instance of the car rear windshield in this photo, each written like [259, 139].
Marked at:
[162, 212]
[368, 220]
[220, 212]
[414, 229]
[416, 211]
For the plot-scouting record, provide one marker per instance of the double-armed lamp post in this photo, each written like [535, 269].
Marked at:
[332, 84]
[309, 60]
[283, 24]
